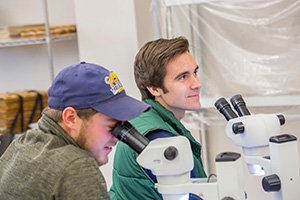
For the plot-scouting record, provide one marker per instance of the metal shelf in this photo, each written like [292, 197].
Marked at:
[34, 41]
[47, 39]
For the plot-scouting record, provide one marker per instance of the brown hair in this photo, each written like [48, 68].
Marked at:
[56, 115]
[151, 60]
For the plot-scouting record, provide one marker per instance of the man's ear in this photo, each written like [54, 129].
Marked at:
[69, 117]
[155, 91]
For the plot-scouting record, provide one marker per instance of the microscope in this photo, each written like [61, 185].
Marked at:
[266, 152]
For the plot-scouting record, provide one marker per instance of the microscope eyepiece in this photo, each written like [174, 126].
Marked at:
[225, 109]
[126, 133]
[239, 105]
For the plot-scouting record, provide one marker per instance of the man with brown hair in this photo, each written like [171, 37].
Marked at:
[166, 75]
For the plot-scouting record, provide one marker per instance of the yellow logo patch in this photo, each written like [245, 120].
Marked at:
[115, 84]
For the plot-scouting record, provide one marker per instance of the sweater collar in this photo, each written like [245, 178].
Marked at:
[47, 125]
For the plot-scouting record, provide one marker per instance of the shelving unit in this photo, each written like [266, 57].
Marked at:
[47, 40]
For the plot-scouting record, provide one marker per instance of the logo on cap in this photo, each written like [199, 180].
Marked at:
[115, 84]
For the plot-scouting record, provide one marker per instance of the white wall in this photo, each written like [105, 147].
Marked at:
[107, 36]
[27, 67]
[146, 21]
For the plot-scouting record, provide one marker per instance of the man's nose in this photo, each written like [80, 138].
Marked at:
[196, 82]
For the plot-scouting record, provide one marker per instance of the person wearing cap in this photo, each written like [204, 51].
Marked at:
[60, 159]
[166, 75]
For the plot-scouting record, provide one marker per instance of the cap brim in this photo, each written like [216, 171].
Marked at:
[122, 108]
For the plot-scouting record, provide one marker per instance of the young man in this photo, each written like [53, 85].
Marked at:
[61, 158]
[166, 75]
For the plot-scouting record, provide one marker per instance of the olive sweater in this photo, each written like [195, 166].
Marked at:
[46, 163]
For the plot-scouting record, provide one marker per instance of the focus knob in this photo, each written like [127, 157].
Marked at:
[171, 153]
[271, 183]
[238, 128]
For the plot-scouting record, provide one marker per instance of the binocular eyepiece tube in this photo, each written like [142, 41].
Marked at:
[237, 102]
[126, 133]
[225, 109]
[239, 105]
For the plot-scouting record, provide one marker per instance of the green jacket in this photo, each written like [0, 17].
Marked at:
[130, 182]
[46, 163]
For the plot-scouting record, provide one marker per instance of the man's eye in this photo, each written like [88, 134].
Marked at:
[182, 77]
[196, 70]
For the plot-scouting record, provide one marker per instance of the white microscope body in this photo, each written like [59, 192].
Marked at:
[171, 160]
[266, 152]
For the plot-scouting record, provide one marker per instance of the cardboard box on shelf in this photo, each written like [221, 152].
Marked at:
[20, 109]
[35, 31]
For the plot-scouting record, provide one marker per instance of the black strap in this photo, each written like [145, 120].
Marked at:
[19, 113]
[37, 102]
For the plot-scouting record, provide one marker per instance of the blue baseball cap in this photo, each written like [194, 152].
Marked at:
[88, 85]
